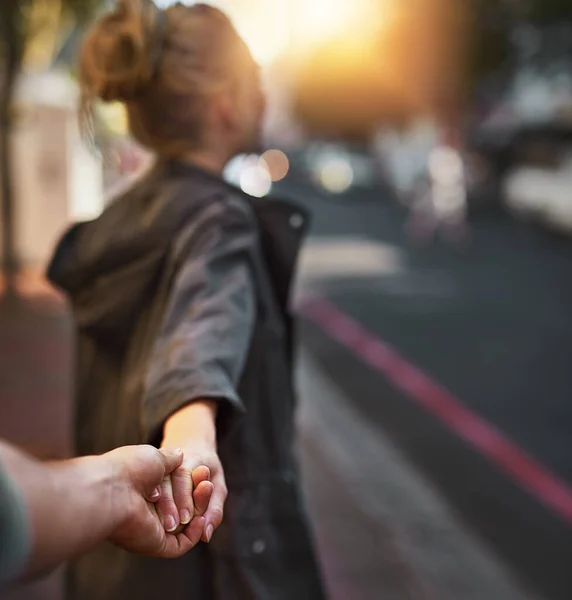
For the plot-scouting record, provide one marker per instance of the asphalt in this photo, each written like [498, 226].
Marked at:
[383, 530]
[490, 321]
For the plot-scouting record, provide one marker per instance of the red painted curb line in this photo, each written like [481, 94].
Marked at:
[481, 435]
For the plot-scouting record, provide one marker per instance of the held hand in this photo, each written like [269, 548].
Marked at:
[178, 496]
[142, 470]
[193, 430]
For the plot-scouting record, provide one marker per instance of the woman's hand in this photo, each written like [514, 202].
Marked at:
[193, 429]
[138, 469]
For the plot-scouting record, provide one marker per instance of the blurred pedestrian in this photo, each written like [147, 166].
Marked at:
[180, 295]
[440, 203]
[51, 512]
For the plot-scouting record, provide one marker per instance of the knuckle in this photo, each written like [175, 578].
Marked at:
[217, 513]
[193, 460]
[166, 503]
[182, 483]
[183, 471]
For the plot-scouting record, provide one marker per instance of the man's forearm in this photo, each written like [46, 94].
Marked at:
[71, 505]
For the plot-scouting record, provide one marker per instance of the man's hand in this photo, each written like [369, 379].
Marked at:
[143, 471]
[72, 505]
[193, 429]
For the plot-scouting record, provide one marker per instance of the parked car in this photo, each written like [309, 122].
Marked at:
[542, 194]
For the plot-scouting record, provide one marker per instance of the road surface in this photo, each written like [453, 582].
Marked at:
[472, 380]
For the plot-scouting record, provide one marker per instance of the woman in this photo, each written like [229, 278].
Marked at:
[179, 292]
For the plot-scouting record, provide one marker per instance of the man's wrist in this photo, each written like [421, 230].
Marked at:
[79, 496]
[111, 479]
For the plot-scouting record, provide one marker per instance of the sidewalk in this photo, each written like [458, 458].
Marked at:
[35, 386]
[35, 373]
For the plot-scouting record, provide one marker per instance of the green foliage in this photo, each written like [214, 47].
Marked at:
[545, 12]
[81, 10]
[495, 21]
[22, 21]
[491, 46]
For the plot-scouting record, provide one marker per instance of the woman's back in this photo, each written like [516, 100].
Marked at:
[145, 262]
[180, 294]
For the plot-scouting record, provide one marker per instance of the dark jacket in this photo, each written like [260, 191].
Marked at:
[180, 291]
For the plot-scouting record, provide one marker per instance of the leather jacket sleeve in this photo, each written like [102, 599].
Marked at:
[205, 335]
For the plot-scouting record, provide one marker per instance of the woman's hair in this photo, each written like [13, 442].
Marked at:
[163, 64]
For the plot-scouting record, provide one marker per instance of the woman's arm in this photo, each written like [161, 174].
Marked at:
[193, 428]
[197, 420]
[201, 351]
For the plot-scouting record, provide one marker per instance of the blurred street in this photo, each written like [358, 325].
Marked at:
[490, 323]
[431, 516]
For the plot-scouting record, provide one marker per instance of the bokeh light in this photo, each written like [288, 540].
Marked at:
[276, 163]
[445, 165]
[318, 21]
[335, 175]
[324, 18]
[254, 178]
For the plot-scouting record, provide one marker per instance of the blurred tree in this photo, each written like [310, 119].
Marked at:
[28, 30]
[497, 49]
[490, 47]
[545, 12]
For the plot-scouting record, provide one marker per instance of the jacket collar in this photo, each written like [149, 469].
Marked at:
[283, 225]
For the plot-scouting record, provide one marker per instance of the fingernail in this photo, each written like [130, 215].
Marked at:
[170, 524]
[209, 532]
[156, 493]
[185, 517]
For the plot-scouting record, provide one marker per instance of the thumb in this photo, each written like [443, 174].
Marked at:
[172, 458]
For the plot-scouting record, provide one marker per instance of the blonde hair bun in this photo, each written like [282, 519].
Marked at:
[164, 65]
[119, 53]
